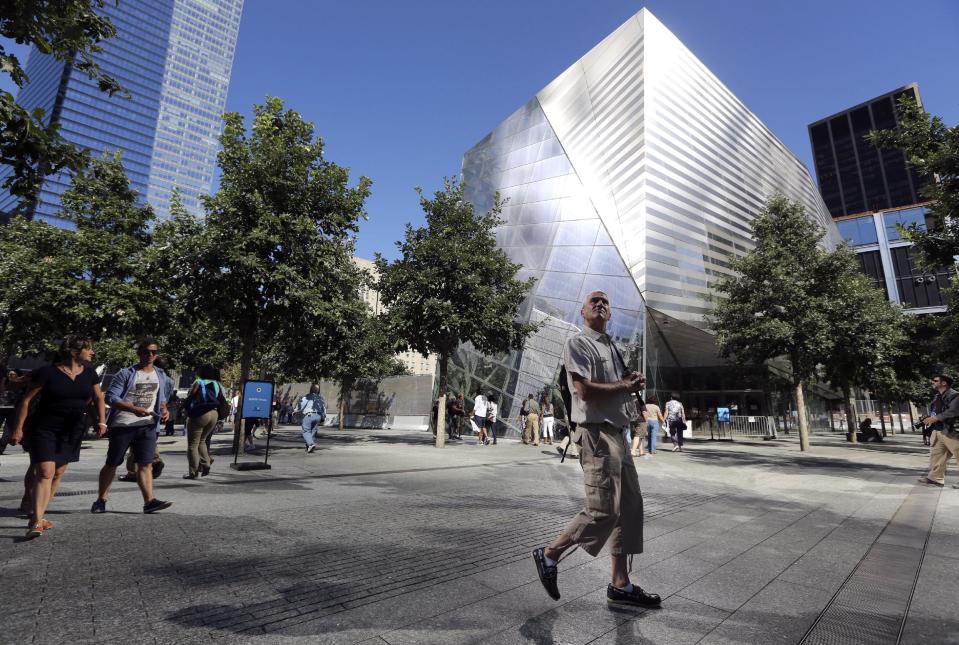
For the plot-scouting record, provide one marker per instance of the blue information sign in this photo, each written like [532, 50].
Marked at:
[722, 415]
[257, 399]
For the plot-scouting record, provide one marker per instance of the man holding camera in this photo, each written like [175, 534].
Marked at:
[602, 405]
[945, 438]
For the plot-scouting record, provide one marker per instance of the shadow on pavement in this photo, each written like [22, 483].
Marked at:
[803, 463]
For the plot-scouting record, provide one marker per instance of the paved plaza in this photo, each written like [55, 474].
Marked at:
[379, 538]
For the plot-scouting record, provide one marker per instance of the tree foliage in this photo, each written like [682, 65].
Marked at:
[452, 285]
[187, 336]
[71, 31]
[792, 298]
[269, 266]
[84, 281]
[366, 350]
[933, 150]
[869, 336]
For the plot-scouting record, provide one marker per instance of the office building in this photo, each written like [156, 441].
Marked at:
[174, 57]
[854, 176]
[872, 193]
[636, 171]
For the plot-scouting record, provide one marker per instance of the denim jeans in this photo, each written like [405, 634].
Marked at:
[309, 424]
[653, 427]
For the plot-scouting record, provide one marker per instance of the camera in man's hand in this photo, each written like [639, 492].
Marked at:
[919, 425]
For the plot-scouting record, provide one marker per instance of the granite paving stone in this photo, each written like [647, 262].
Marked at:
[380, 538]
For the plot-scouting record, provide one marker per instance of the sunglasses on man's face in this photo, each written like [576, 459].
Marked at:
[150, 351]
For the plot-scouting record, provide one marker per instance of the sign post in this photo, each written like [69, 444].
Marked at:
[722, 416]
[256, 403]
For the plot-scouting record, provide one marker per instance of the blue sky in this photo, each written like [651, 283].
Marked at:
[399, 90]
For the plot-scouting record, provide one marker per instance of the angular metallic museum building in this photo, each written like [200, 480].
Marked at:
[637, 172]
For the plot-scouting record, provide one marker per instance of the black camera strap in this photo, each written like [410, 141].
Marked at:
[639, 399]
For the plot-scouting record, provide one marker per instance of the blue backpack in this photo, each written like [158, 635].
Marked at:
[207, 398]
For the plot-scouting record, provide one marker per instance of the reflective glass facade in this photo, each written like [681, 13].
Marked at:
[192, 98]
[635, 172]
[853, 175]
[174, 58]
[889, 260]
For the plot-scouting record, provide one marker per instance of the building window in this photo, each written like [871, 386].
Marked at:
[859, 231]
[918, 288]
[905, 218]
[871, 265]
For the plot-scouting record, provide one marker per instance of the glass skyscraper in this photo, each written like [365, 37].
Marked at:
[174, 58]
[635, 172]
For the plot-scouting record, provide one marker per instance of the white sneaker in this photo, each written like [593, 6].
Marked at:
[310, 448]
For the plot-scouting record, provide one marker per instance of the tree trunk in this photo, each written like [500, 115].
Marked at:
[246, 365]
[850, 414]
[346, 389]
[441, 403]
[882, 418]
[801, 411]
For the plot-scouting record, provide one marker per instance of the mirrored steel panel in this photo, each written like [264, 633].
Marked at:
[637, 172]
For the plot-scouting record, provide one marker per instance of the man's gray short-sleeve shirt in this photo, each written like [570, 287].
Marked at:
[591, 355]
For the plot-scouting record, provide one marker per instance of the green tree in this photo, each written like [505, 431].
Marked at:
[452, 285]
[112, 233]
[186, 334]
[71, 31]
[37, 278]
[368, 353]
[272, 253]
[57, 282]
[933, 150]
[868, 334]
[779, 302]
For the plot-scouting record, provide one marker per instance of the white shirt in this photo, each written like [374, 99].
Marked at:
[143, 394]
[492, 410]
[480, 404]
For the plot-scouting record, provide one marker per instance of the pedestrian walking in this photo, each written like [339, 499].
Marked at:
[480, 405]
[312, 407]
[138, 405]
[522, 419]
[638, 439]
[492, 415]
[173, 406]
[548, 419]
[203, 405]
[603, 395]
[655, 421]
[56, 427]
[454, 412]
[675, 421]
[12, 387]
[532, 420]
[945, 438]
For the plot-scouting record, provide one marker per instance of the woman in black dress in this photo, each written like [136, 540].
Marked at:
[56, 427]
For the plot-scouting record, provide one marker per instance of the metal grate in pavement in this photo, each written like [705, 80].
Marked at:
[74, 493]
[870, 607]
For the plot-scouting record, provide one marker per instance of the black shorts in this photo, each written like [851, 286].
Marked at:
[141, 439]
[55, 437]
[479, 421]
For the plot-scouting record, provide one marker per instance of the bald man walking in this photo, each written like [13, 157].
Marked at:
[603, 403]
